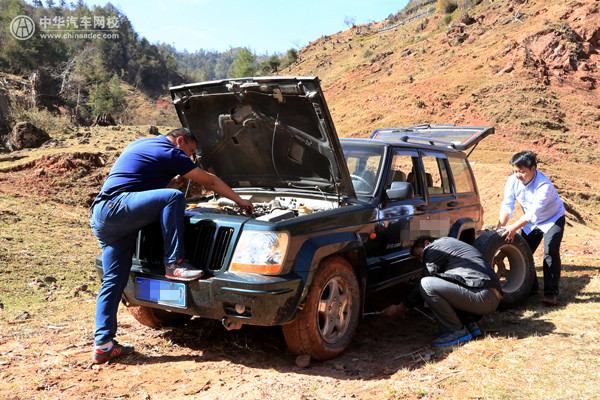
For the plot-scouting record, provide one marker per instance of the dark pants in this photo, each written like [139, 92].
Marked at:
[451, 303]
[552, 264]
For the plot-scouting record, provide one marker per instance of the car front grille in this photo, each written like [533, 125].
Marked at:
[206, 245]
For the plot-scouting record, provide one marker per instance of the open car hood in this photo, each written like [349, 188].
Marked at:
[271, 132]
[458, 137]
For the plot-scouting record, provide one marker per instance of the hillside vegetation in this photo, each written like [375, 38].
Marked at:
[84, 60]
[530, 69]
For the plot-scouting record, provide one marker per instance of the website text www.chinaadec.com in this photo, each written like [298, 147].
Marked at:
[82, 35]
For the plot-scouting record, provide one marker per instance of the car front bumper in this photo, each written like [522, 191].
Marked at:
[238, 297]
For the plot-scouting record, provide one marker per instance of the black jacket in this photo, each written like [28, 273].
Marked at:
[457, 261]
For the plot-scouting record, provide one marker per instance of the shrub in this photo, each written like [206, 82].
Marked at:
[106, 97]
[446, 6]
[289, 58]
[42, 119]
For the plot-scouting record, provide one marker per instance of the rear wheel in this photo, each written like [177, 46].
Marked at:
[513, 264]
[326, 325]
[157, 318]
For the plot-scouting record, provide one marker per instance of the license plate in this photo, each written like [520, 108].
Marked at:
[161, 292]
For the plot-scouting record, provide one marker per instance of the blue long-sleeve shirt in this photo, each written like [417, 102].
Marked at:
[540, 202]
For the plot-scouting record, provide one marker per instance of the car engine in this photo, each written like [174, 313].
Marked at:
[277, 209]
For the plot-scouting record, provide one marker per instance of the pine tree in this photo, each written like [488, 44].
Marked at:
[243, 65]
[270, 65]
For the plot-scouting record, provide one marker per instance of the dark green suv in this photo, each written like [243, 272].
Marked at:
[334, 219]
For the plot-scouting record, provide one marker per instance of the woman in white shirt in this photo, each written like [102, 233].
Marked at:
[543, 217]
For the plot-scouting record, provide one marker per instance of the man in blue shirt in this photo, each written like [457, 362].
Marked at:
[134, 195]
[543, 217]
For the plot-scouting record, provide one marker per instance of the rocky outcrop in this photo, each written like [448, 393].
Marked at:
[466, 19]
[26, 135]
[561, 52]
[105, 119]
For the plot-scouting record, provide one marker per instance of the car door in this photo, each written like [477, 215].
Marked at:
[389, 246]
[467, 195]
[442, 204]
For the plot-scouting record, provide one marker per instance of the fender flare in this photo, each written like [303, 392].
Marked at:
[461, 225]
[315, 249]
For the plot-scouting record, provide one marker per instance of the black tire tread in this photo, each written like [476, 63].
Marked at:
[489, 243]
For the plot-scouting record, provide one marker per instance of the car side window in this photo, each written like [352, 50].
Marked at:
[463, 178]
[403, 169]
[437, 181]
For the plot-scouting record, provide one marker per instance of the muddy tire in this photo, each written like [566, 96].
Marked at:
[513, 264]
[157, 318]
[326, 325]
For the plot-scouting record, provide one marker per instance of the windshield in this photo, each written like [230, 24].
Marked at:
[364, 164]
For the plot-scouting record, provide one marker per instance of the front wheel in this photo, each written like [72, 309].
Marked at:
[513, 264]
[157, 318]
[326, 325]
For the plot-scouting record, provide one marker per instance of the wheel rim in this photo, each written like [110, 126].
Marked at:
[510, 267]
[333, 313]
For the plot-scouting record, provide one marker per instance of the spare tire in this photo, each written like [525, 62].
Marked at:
[513, 264]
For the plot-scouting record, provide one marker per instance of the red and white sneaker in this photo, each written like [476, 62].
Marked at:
[183, 271]
[115, 351]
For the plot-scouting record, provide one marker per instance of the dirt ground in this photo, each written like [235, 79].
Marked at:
[47, 298]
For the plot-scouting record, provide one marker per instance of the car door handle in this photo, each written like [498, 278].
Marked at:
[452, 204]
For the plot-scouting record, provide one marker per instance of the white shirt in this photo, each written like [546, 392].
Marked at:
[539, 200]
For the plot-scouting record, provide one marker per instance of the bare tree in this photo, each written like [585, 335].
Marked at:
[350, 21]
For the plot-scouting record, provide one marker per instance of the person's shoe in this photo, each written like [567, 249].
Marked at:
[447, 339]
[535, 287]
[474, 329]
[115, 351]
[183, 271]
[550, 300]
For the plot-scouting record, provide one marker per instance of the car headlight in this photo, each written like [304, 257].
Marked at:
[260, 252]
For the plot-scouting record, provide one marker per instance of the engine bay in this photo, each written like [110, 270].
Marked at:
[272, 209]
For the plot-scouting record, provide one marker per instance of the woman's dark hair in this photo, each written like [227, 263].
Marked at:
[525, 159]
[420, 243]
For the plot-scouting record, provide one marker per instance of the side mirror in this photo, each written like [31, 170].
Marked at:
[400, 191]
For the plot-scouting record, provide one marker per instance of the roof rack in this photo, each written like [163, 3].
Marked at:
[451, 136]
[432, 142]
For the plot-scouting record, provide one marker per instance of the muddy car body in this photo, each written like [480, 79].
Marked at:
[333, 222]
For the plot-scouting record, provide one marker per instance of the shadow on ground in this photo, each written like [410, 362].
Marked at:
[381, 347]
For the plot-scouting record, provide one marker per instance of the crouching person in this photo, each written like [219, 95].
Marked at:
[458, 285]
